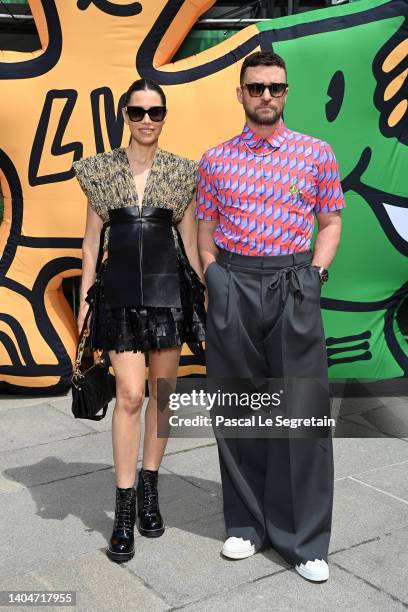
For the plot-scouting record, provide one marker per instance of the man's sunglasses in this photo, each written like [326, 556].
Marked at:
[256, 90]
[137, 113]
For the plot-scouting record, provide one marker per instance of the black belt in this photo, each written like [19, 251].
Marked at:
[283, 267]
[142, 267]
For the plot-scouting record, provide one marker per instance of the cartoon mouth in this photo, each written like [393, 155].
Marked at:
[391, 210]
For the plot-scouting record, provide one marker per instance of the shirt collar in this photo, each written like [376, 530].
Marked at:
[257, 142]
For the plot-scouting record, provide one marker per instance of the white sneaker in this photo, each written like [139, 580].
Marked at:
[238, 548]
[316, 570]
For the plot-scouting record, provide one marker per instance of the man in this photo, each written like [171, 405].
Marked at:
[257, 197]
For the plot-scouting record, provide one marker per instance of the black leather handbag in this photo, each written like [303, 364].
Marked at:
[91, 385]
[90, 381]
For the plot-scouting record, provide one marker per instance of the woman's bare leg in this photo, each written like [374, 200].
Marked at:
[163, 364]
[130, 372]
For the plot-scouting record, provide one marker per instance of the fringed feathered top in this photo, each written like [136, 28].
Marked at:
[107, 181]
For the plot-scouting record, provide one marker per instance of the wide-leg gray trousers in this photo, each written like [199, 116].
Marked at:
[264, 320]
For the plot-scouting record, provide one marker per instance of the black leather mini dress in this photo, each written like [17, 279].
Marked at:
[146, 296]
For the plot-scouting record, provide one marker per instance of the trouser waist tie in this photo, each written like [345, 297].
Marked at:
[287, 278]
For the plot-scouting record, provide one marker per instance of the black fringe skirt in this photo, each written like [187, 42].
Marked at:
[149, 328]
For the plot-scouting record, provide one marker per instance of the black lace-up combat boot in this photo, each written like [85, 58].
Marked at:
[121, 545]
[150, 522]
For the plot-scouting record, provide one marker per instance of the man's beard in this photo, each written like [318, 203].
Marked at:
[262, 119]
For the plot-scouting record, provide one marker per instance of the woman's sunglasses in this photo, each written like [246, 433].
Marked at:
[256, 90]
[137, 113]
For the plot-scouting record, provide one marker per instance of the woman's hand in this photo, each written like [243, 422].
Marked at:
[83, 309]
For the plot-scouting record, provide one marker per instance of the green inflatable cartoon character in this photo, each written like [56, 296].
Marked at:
[348, 75]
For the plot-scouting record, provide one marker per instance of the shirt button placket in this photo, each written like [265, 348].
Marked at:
[262, 214]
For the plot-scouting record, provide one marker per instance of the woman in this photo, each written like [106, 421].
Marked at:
[150, 298]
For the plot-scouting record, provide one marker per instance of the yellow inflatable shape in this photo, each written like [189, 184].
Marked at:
[60, 104]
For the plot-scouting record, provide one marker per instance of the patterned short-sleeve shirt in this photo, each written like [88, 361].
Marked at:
[108, 183]
[264, 191]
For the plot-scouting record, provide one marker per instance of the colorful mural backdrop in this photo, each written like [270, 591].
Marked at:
[347, 69]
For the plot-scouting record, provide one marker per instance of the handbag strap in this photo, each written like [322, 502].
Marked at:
[97, 267]
[82, 336]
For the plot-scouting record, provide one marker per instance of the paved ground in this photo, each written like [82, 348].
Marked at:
[56, 504]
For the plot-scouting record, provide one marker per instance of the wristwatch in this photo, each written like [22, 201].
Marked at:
[324, 275]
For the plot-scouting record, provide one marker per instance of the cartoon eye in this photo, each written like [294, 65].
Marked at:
[122, 10]
[336, 92]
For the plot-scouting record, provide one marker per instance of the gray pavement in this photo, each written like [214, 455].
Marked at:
[57, 491]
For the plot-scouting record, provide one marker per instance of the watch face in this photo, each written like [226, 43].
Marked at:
[324, 275]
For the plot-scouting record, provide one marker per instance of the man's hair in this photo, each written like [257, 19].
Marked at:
[261, 58]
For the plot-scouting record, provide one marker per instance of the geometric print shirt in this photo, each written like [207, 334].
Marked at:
[264, 192]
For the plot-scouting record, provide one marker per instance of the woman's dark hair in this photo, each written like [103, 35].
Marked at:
[145, 85]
